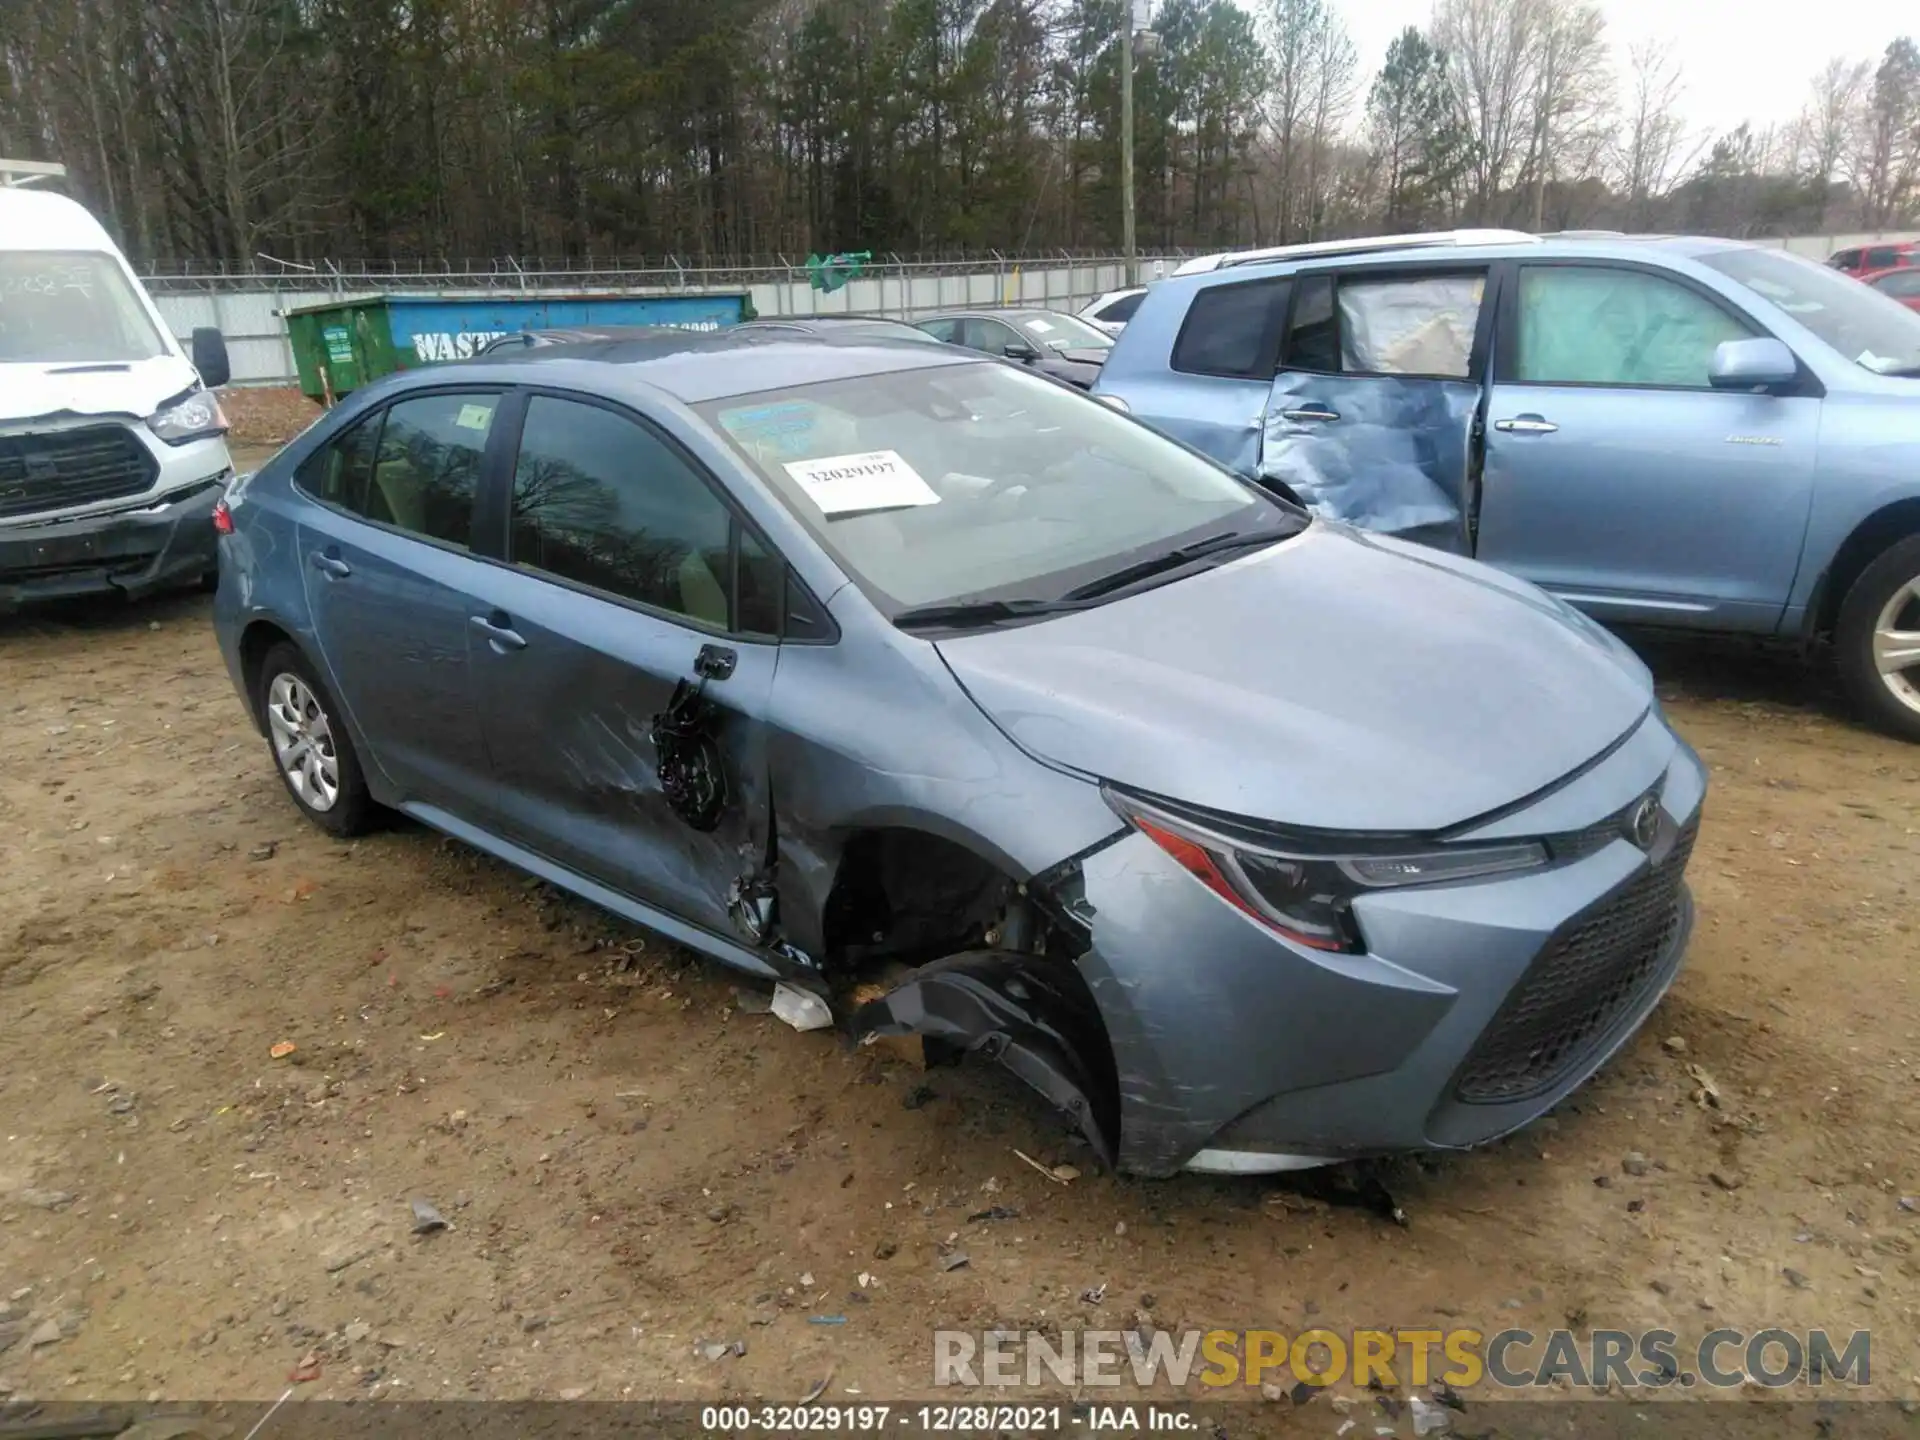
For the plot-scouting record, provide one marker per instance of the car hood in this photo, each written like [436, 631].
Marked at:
[136, 388]
[1334, 681]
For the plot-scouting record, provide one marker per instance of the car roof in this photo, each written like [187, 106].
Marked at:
[997, 312]
[700, 365]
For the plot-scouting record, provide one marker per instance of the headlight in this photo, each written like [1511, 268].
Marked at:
[192, 417]
[1305, 889]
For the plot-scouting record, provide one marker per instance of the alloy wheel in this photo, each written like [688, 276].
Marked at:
[1896, 644]
[303, 742]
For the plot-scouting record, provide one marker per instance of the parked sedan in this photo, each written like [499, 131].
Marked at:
[1063, 346]
[832, 658]
[1111, 311]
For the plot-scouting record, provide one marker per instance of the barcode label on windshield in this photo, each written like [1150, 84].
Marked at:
[877, 480]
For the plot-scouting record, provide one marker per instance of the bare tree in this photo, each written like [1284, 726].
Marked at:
[1490, 47]
[1311, 92]
[1647, 146]
[1572, 95]
[1827, 125]
[1886, 160]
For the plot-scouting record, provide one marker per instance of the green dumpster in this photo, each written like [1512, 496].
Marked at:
[343, 344]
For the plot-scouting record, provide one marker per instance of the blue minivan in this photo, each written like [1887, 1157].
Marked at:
[1659, 430]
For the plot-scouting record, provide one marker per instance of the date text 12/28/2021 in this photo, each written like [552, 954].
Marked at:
[943, 1419]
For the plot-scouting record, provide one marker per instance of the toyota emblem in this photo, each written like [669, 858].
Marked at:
[1643, 826]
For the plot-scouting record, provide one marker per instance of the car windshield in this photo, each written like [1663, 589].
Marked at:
[1870, 329]
[962, 483]
[1063, 332]
[71, 307]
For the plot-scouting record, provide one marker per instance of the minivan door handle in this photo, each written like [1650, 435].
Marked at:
[1526, 425]
[715, 662]
[328, 562]
[498, 628]
[1311, 411]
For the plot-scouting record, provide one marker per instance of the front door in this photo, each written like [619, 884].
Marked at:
[385, 558]
[1371, 418]
[1617, 477]
[625, 656]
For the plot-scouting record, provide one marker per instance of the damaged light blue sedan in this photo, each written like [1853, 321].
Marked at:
[1252, 841]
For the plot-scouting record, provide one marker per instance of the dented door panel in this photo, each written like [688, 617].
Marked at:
[1387, 453]
[575, 735]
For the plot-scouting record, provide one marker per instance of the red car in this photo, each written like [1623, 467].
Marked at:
[1902, 284]
[1869, 260]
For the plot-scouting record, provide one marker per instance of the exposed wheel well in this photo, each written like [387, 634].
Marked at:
[1870, 537]
[255, 641]
[900, 893]
[1000, 951]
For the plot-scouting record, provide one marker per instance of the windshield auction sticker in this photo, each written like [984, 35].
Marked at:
[877, 480]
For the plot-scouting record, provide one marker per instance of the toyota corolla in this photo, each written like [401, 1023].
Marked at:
[1252, 841]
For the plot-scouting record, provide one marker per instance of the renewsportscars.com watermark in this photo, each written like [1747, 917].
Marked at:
[1512, 1359]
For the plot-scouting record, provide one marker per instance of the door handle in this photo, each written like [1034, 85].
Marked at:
[329, 563]
[499, 632]
[1526, 425]
[1311, 411]
[715, 662]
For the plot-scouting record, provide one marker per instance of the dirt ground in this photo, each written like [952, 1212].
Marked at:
[632, 1163]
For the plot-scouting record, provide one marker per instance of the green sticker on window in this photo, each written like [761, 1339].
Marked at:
[474, 417]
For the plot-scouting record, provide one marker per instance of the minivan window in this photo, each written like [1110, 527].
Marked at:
[1409, 325]
[1598, 325]
[1229, 330]
[1874, 331]
[972, 482]
[602, 501]
[67, 307]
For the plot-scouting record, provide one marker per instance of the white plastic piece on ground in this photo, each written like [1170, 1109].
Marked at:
[801, 1009]
[1252, 1162]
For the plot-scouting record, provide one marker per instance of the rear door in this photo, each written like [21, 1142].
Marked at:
[624, 655]
[1616, 476]
[1372, 417]
[388, 565]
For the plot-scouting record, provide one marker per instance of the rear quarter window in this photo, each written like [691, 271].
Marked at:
[1233, 330]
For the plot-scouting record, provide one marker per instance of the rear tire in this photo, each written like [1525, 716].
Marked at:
[308, 742]
[1877, 640]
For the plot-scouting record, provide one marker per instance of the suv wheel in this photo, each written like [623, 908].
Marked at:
[310, 746]
[1878, 640]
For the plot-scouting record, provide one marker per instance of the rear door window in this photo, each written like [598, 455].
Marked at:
[1233, 330]
[1395, 324]
[1593, 325]
[1120, 311]
[414, 466]
[427, 466]
[946, 330]
[1881, 257]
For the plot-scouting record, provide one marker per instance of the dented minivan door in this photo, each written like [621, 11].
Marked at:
[1373, 415]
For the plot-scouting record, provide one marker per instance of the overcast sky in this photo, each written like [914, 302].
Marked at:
[1739, 59]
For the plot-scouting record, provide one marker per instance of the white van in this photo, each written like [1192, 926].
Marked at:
[113, 447]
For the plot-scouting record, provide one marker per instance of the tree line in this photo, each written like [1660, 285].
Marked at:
[230, 130]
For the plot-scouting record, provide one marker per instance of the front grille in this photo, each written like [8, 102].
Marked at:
[1581, 983]
[65, 468]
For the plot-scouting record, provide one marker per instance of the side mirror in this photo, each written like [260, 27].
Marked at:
[210, 357]
[1021, 351]
[1760, 364]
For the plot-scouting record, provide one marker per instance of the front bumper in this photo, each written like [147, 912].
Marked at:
[1477, 1006]
[166, 542]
